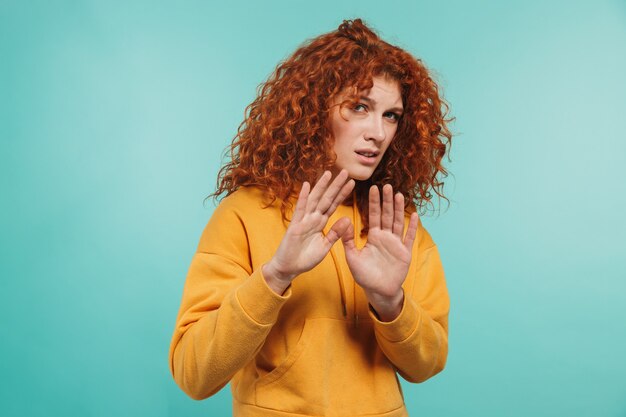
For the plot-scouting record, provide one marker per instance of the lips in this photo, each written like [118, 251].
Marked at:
[367, 156]
[369, 153]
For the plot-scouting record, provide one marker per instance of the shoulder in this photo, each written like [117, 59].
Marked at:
[247, 200]
[238, 217]
[250, 207]
[424, 240]
[243, 197]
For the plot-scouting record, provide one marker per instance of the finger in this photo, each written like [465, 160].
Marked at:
[398, 214]
[387, 217]
[411, 232]
[318, 191]
[343, 194]
[337, 230]
[332, 191]
[347, 238]
[298, 213]
[374, 207]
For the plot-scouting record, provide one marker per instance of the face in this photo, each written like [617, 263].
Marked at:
[366, 129]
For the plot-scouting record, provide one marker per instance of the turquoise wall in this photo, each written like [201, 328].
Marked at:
[113, 119]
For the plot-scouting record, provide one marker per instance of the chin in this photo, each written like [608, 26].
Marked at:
[361, 175]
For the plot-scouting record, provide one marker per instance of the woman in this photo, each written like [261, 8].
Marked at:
[298, 324]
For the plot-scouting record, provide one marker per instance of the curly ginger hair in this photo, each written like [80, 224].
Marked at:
[285, 138]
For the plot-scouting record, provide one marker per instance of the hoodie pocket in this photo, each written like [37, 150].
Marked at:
[290, 359]
[334, 366]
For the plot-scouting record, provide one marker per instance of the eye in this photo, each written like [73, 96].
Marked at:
[392, 116]
[359, 107]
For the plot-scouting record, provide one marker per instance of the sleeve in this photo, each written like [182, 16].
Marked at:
[226, 312]
[416, 342]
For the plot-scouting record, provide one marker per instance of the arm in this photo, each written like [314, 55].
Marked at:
[416, 341]
[228, 308]
[405, 287]
[226, 311]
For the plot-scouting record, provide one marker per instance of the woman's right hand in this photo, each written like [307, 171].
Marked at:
[304, 244]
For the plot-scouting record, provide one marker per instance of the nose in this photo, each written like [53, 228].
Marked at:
[376, 130]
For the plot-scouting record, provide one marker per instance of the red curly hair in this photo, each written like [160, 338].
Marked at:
[285, 138]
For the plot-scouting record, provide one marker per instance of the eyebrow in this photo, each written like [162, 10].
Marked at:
[373, 102]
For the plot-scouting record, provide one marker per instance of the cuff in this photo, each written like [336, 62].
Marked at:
[403, 326]
[259, 301]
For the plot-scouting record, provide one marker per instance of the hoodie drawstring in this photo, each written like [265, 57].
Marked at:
[342, 289]
[356, 217]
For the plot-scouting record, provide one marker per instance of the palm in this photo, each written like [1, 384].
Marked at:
[382, 264]
[304, 244]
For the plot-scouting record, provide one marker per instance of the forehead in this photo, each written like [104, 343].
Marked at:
[385, 89]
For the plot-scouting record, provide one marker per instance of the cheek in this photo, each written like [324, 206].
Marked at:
[343, 128]
[387, 145]
[393, 129]
[340, 148]
[342, 135]
[392, 134]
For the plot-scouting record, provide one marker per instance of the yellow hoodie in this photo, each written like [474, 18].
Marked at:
[317, 350]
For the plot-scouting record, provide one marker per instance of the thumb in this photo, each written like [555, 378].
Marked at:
[347, 238]
[338, 230]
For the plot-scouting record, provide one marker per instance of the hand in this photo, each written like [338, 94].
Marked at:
[381, 266]
[304, 244]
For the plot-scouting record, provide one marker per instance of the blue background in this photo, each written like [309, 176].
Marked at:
[113, 120]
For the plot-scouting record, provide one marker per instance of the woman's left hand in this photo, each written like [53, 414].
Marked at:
[381, 266]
